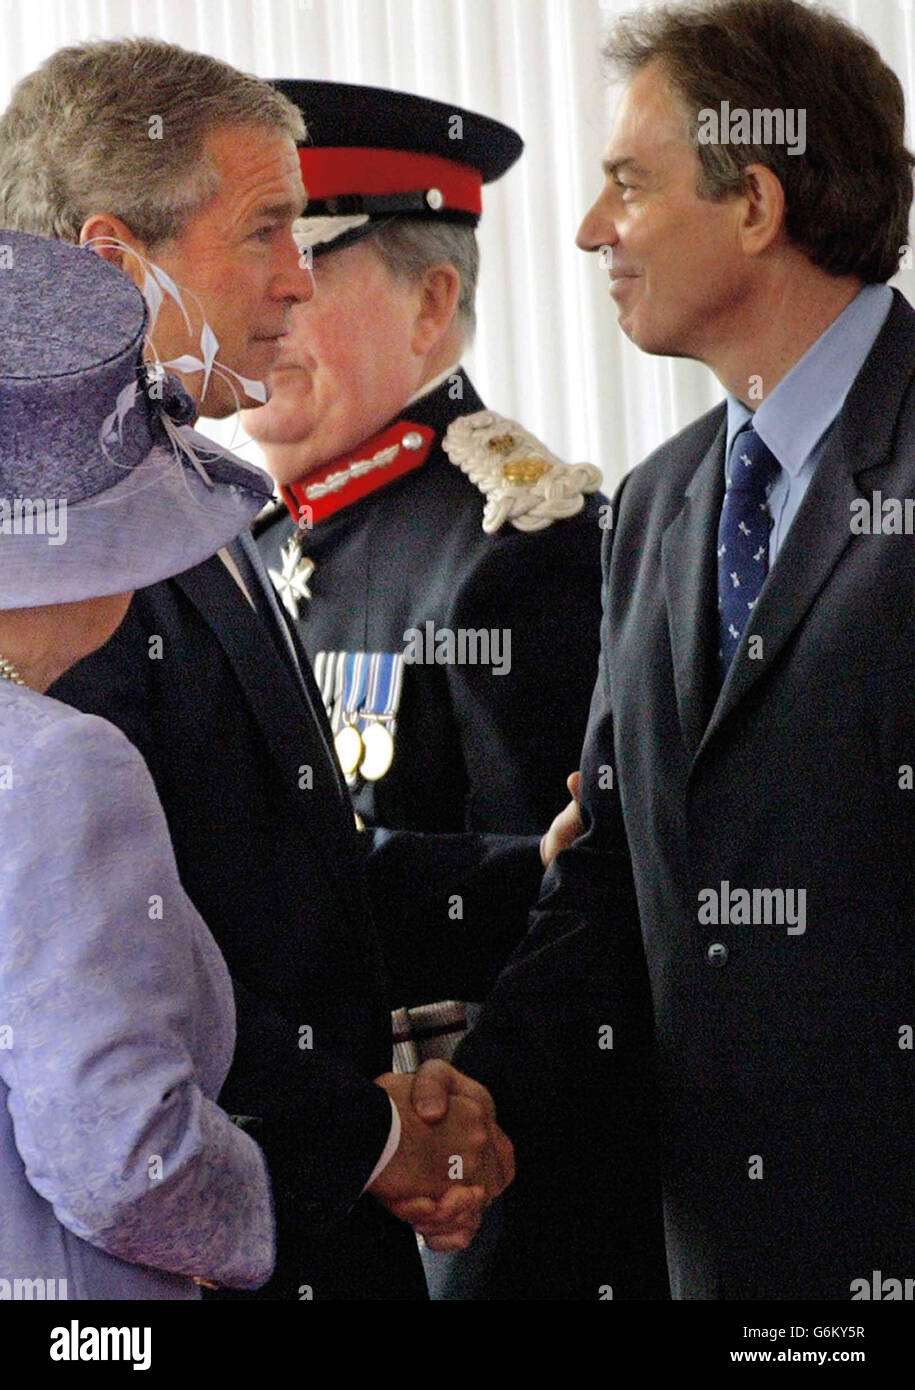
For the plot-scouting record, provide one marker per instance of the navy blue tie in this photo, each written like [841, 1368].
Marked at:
[743, 537]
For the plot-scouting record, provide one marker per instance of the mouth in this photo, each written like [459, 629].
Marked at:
[621, 280]
[289, 364]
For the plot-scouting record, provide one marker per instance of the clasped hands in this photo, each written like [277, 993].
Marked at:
[453, 1160]
[445, 1117]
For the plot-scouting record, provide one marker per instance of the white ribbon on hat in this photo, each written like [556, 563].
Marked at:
[157, 283]
[114, 424]
[156, 280]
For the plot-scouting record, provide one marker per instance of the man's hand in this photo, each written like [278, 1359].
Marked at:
[567, 826]
[445, 1117]
[448, 1224]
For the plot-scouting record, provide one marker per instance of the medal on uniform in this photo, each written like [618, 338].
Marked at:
[346, 724]
[382, 701]
[348, 743]
[329, 669]
[291, 583]
[378, 751]
[361, 693]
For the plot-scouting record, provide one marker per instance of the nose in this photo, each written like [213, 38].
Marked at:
[294, 280]
[597, 228]
[309, 286]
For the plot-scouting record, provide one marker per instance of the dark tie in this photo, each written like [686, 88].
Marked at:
[743, 537]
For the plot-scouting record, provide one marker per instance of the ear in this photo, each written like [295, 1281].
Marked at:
[101, 230]
[763, 221]
[438, 290]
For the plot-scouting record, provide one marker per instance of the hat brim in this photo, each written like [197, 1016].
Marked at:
[322, 234]
[161, 520]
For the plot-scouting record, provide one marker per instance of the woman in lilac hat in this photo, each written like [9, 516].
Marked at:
[121, 1177]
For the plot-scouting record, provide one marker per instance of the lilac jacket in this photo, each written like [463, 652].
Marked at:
[119, 1174]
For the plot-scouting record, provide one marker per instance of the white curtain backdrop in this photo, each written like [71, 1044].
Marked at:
[548, 350]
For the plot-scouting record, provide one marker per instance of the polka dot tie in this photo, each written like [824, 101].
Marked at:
[743, 537]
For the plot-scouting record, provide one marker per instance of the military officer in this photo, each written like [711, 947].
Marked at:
[440, 563]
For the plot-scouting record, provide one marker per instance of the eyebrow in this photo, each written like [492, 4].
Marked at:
[275, 212]
[613, 166]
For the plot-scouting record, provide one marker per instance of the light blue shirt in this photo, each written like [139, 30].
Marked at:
[794, 420]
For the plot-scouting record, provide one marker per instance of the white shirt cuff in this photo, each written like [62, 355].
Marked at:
[390, 1147]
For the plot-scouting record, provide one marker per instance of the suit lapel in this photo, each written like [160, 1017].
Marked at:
[690, 583]
[861, 438]
[248, 558]
[299, 664]
[281, 706]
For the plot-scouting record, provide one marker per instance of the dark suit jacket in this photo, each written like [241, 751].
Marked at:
[785, 1092]
[275, 870]
[232, 736]
[474, 750]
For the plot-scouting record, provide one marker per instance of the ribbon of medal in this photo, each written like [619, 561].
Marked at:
[361, 693]
[352, 672]
[382, 701]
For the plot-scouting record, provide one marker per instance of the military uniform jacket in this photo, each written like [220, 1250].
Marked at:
[473, 749]
[781, 1061]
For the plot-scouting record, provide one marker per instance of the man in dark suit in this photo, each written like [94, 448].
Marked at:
[209, 684]
[730, 944]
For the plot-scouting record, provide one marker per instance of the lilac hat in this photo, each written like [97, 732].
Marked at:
[103, 487]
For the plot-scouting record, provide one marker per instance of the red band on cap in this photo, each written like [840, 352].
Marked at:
[334, 173]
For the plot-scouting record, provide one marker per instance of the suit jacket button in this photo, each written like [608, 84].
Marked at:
[717, 954]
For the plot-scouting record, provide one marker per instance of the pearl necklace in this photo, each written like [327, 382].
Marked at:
[9, 672]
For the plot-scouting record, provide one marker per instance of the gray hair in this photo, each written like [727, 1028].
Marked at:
[88, 130]
[410, 247]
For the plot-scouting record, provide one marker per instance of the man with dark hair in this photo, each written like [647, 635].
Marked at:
[731, 941]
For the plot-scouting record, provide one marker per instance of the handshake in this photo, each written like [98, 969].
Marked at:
[452, 1161]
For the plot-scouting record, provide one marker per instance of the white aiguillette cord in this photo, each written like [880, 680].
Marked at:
[157, 284]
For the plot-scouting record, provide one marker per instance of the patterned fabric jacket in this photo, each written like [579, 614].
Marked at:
[120, 1175]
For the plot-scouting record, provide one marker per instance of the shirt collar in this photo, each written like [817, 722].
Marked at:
[805, 402]
[429, 386]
